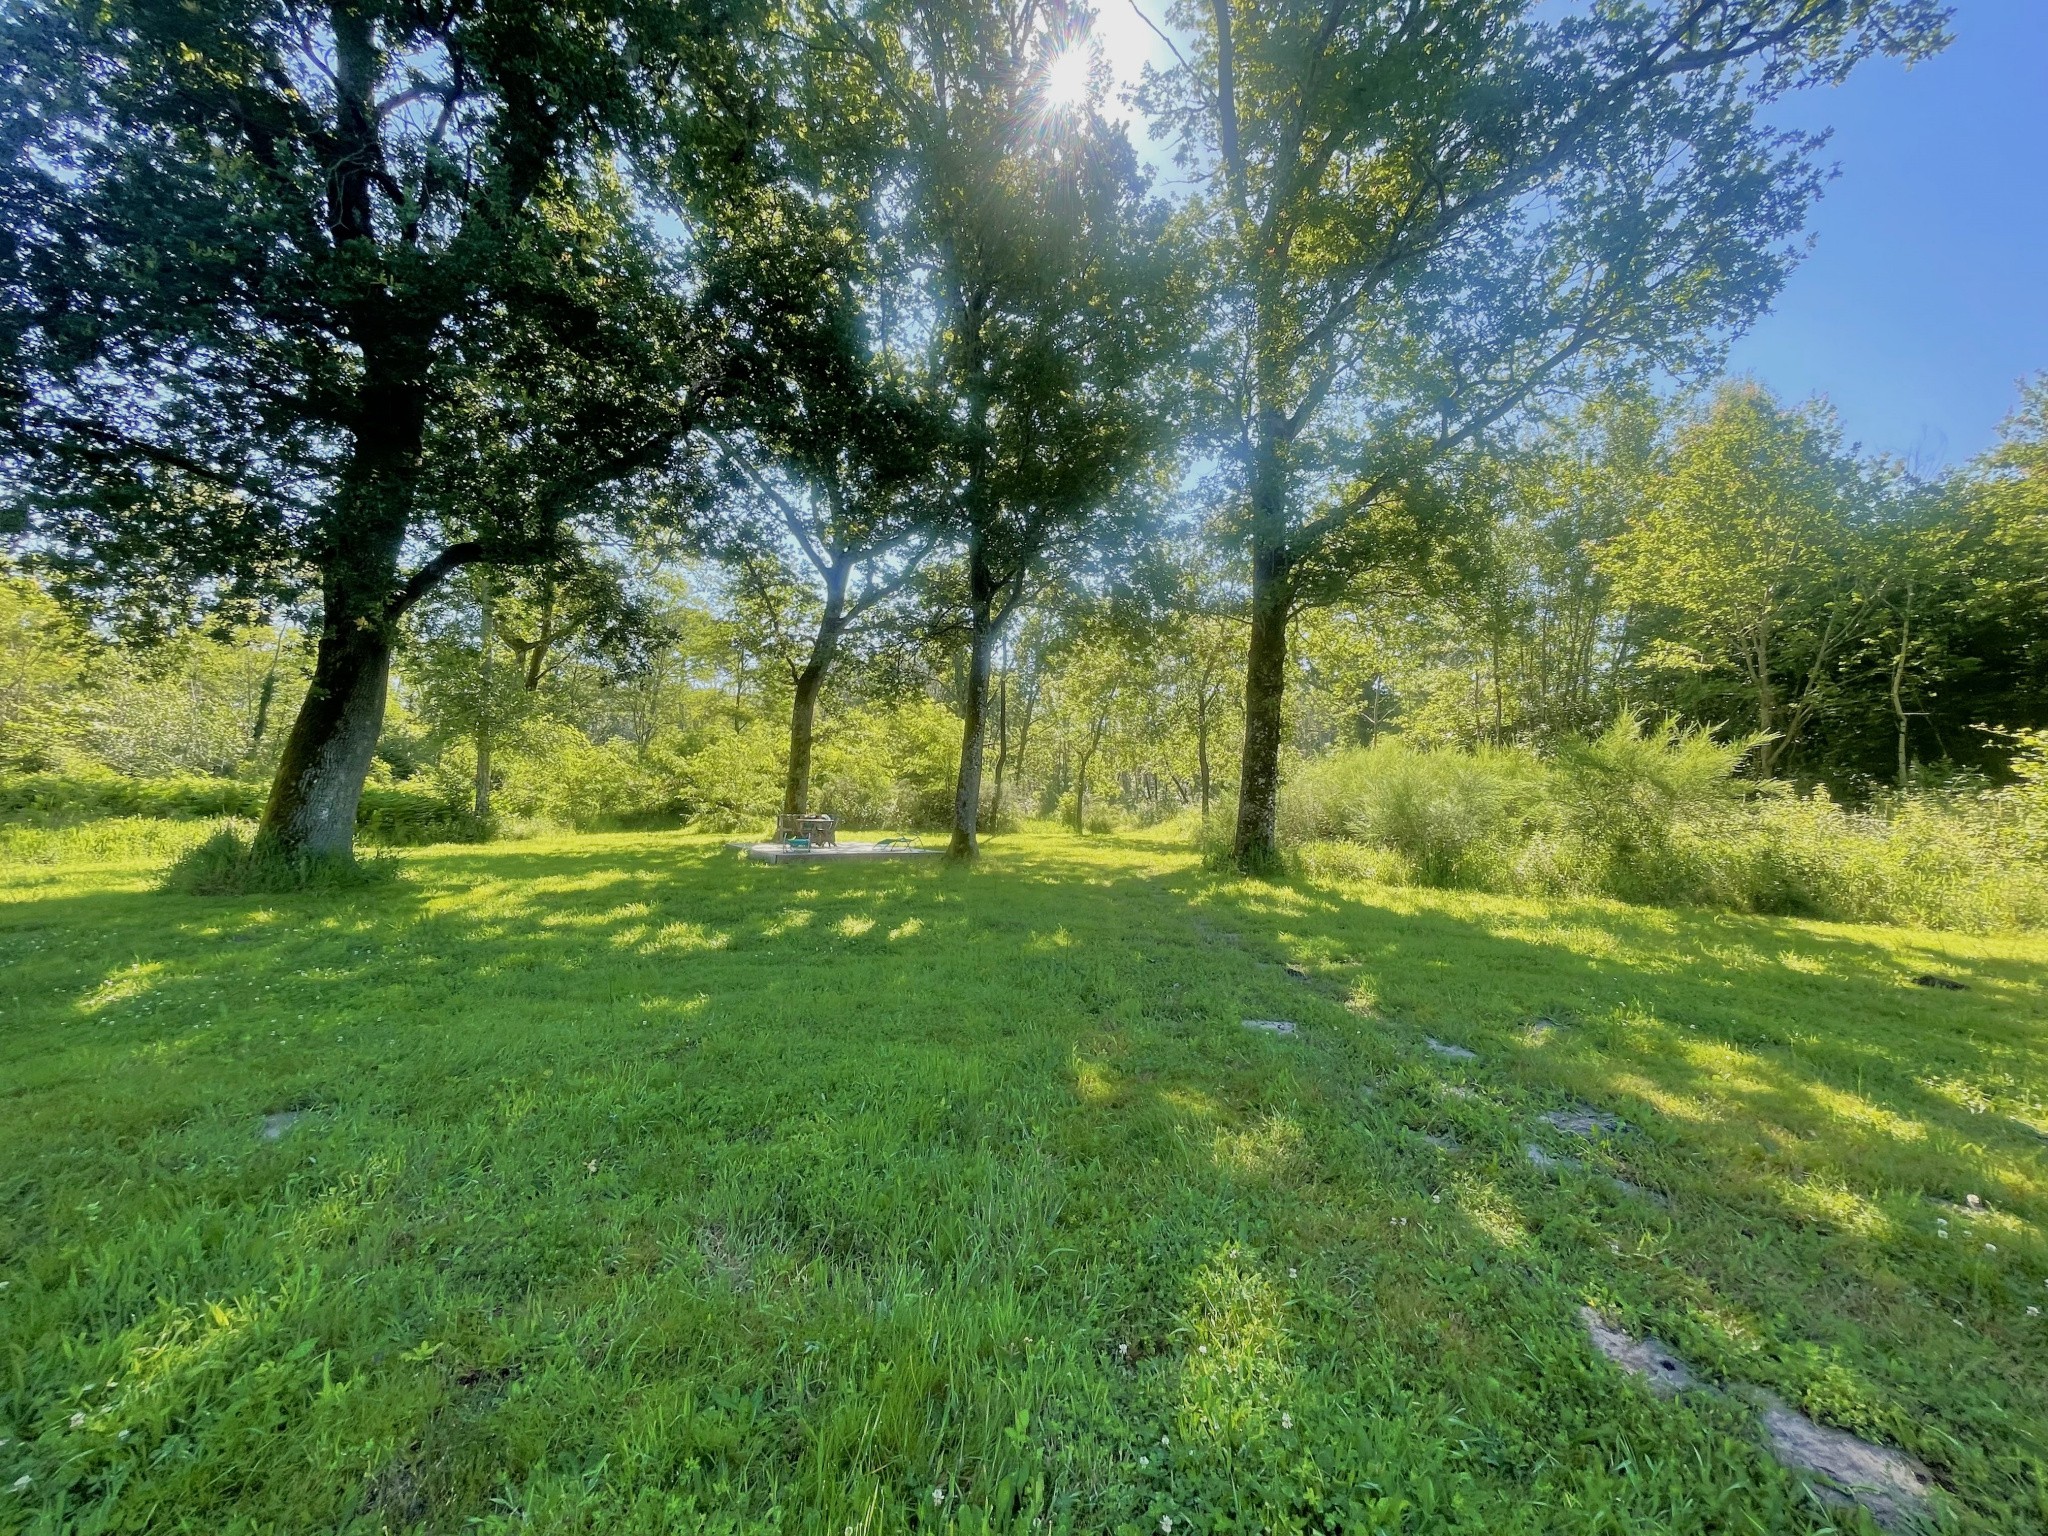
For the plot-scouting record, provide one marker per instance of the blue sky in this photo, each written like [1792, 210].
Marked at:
[1925, 298]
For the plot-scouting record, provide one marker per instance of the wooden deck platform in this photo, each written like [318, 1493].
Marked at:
[782, 853]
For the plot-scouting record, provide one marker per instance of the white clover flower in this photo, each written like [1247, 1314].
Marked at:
[1123, 1349]
[1162, 1440]
[1166, 1522]
[2033, 1311]
[1201, 1349]
[1287, 1421]
[1292, 1272]
[938, 1495]
[1144, 1461]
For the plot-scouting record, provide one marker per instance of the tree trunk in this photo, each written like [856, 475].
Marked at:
[1081, 780]
[810, 681]
[1899, 683]
[1766, 706]
[537, 653]
[1202, 702]
[311, 812]
[1500, 718]
[995, 800]
[973, 728]
[482, 795]
[1024, 731]
[265, 696]
[1265, 691]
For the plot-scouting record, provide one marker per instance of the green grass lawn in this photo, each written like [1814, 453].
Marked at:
[637, 1189]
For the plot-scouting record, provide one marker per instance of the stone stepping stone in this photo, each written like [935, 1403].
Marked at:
[1444, 1048]
[1846, 1468]
[274, 1126]
[1550, 1162]
[1663, 1372]
[1888, 1483]
[1583, 1120]
[1274, 1026]
[1637, 1191]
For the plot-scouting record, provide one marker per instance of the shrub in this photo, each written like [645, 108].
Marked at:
[104, 840]
[554, 773]
[390, 814]
[1624, 795]
[1655, 813]
[74, 796]
[1453, 818]
[401, 816]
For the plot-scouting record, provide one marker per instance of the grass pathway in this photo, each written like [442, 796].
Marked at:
[634, 1189]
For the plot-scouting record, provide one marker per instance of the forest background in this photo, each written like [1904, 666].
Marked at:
[907, 464]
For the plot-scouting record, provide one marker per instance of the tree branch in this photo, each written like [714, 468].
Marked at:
[428, 576]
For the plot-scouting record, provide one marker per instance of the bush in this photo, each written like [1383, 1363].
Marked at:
[104, 840]
[555, 774]
[398, 816]
[77, 796]
[1657, 814]
[1624, 796]
[389, 814]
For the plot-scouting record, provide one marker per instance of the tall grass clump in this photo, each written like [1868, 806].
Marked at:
[1446, 818]
[1659, 813]
[231, 863]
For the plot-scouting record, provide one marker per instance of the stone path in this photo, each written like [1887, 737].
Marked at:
[1583, 1120]
[1661, 1370]
[1841, 1467]
[1274, 1026]
[1888, 1483]
[1844, 1468]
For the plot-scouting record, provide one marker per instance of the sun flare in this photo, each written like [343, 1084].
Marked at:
[1066, 79]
